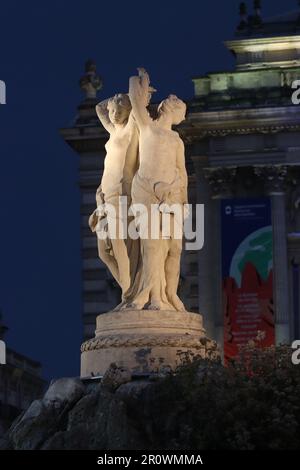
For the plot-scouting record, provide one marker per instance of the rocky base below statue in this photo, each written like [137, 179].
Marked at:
[203, 405]
[116, 413]
[145, 341]
[134, 352]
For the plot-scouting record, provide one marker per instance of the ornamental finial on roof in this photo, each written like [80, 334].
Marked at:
[243, 9]
[243, 15]
[91, 83]
[256, 19]
[257, 7]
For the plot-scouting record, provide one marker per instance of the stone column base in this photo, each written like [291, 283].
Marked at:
[145, 341]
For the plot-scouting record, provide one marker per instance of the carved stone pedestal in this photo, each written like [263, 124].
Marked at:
[145, 341]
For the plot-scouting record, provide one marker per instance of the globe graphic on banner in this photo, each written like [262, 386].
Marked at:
[256, 248]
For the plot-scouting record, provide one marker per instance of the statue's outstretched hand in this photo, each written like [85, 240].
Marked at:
[144, 76]
[145, 84]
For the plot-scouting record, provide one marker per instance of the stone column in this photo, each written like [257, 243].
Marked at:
[274, 177]
[205, 260]
[220, 180]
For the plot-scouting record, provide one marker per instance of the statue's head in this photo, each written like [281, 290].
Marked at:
[173, 105]
[119, 108]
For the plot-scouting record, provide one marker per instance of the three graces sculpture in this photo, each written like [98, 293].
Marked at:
[141, 201]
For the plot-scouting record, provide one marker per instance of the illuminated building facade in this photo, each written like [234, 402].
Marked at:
[242, 137]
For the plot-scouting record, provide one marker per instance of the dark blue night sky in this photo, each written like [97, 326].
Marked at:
[43, 49]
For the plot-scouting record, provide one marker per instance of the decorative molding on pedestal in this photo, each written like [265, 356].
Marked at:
[132, 340]
[220, 180]
[145, 341]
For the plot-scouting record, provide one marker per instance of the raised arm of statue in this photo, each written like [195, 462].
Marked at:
[139, 92]
[103, 115]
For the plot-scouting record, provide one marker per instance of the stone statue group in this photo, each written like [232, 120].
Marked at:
[144, 162]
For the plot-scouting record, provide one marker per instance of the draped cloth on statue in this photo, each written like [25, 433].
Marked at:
[153, 199]
[109, 220]
[158, 198]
